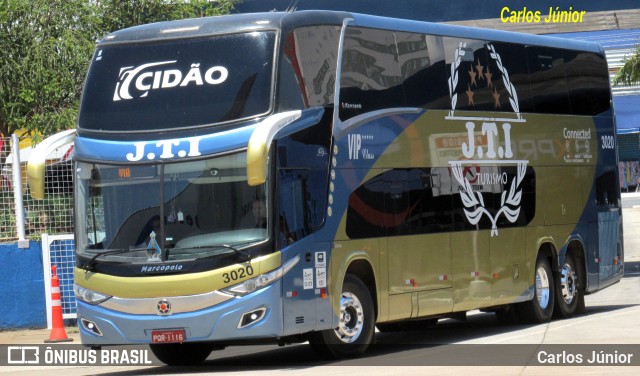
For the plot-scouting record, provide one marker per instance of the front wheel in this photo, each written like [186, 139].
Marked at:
[355, 331]
[568, 294]
[181, 354]
[540, 308]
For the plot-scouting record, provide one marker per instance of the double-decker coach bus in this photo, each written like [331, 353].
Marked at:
[308, 176]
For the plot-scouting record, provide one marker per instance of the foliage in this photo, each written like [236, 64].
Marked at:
[119, 14]
[630, 71]
[46, 45]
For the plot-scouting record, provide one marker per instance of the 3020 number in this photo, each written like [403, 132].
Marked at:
[237, 274]
[608, 142]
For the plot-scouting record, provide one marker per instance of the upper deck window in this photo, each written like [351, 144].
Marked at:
[178, 83]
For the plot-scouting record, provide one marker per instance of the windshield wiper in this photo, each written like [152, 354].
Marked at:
[93, 262]
[246, 255]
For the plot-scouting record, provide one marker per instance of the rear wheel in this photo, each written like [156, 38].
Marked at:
[181, 354]
[355, 331]
[540, 308]
[568, 293]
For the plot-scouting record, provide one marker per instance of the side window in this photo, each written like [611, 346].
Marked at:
[370, 77]
[469, 77]
[607, 189]
[418, 203]
[301, 206]
[291, 88]
[308, 67]
[547, 74]
[292, 219]
[588, 82]
[492, 182]
[514, 62]
[427, 201]
[400, 202]
[367, 215]
[423, 70]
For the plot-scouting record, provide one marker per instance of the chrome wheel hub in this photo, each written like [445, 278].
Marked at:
[542, 288]
[351, 318]
[568, 283]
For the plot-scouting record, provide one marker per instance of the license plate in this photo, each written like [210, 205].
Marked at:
[167, 336]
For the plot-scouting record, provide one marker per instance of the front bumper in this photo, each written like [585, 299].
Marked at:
[215, 323]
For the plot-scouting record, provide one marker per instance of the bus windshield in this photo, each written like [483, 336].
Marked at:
[179, 83]
[179, 211]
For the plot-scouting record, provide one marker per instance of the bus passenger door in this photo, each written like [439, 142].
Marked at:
[292, 221]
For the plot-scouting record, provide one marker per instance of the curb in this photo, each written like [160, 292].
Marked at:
[35, 336]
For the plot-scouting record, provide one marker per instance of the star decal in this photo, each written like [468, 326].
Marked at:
[496, 98]
[488, 75]
[472, 74]
[480, 68]
[470, 96]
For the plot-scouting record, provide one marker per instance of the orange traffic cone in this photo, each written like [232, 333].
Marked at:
[58, 333]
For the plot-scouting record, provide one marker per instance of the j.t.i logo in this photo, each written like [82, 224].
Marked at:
[496, 132]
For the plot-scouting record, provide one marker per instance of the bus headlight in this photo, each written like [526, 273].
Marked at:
[89, 296]
[261, 281]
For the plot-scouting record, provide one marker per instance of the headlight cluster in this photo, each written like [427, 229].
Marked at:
[89, 296]
[261, 281]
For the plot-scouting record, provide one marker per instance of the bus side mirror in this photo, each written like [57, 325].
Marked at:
[260, 142]
[38, 158]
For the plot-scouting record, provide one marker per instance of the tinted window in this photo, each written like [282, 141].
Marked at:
[547, 74]
[470, 87]
[415, 201]
[308, 67]
[294, 214]
[588, 82]
[427, 200]
[514, 62]
[367, 215]
[493, 181]
[180, 83]
[302, 203]
[423, 69]
[370, 77]
[607, 190]
[486, 76]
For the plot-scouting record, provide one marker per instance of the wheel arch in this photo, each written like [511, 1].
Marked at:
[549, 250]
[363, 269]
[576, 249]
[359, 265]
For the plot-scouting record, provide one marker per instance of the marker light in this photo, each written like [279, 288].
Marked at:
[261, 281]
[89, 296]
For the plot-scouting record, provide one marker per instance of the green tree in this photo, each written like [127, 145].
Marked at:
[630, 71]
[46, 46]
[120, 14]
[44, 49]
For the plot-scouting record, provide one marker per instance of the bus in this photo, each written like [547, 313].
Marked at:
[311, 176]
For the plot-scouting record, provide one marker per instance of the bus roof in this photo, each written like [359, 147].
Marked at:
[227, 24]
[234, 23]
[472, 33]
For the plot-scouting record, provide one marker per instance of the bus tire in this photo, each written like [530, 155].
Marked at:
[356, 328]
[181, 354]
[540, 308]
[567, 288]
